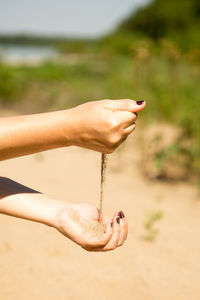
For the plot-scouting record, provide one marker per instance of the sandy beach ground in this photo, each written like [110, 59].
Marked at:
[37, 262]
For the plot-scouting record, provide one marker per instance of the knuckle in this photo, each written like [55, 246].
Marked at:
[112, 124]
[135, 116]
[134, 128]
[87, 248]
[112, 247]
[125, 221]
[124, 227]
[113, 140]
[92, 249]
[118, 228]
[120, 243]
[101, 243]
[124, 224]
[88, 244]
[110, 148]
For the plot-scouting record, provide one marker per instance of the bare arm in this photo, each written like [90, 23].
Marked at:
[20, 201]
[72, 220]
[100, 126]
[28, 134]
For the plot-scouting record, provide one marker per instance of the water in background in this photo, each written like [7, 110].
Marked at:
[26, 54]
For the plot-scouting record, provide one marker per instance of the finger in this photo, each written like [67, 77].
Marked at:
[129, 129]
[126, 104]
[126, 118]
[123, 232]
[113, 243]
[122, 237]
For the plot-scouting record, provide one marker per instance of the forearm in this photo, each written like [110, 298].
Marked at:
[19, 201]
[100, 125]
[75, 221]
[22, 135]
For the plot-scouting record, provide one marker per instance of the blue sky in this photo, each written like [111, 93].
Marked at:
[71, 18]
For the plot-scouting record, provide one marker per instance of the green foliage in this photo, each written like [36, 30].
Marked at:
[77, 46]
[118, 43]
[167, 18]
[37, 40]
[154, 55]
[151, 232]
[168, 80]
[10, 84]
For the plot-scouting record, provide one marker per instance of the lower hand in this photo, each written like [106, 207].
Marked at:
[76, 221]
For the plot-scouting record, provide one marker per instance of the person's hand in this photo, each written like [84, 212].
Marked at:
[80, 221]
[102, 125]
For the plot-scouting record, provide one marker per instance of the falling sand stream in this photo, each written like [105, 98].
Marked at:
[99, 227]
[103, 170]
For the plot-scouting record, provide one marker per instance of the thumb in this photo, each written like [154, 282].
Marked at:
[126, 105]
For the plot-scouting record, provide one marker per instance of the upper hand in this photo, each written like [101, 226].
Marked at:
[76, 221]
[103, 125]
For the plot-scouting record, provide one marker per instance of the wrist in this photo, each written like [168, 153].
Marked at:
[61, 213]
[52, 212]
[71, 128]
[63, 127]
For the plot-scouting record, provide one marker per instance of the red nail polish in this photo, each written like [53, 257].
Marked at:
[140, 102]
[121, 214]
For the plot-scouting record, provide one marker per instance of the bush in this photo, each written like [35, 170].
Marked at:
[167, 18]
[10, 84]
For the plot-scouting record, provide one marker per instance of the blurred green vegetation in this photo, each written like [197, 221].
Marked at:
[148, 57]
[167, 80]
[151, 232]
[171, 19]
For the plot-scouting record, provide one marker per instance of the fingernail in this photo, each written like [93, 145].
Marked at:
[118, 220]
[121, 214]
[140, 102]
